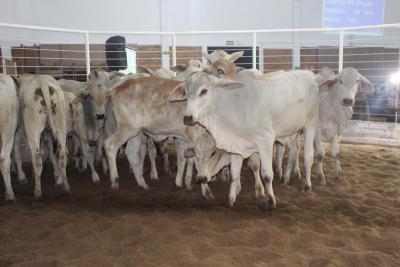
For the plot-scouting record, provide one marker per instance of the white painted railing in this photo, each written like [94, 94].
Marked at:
[86, 34]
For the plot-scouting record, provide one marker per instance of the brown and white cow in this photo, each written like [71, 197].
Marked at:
[43, 112]
[9, 108]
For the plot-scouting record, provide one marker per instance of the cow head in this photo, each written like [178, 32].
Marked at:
[185, 70]
[161, 72]
[200, 91]
[345, 86]
[210, 160]
[98, 90]
[221, 54]
[222, 68]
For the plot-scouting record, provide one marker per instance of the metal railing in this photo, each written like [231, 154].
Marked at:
[86, 34]
[266, 50]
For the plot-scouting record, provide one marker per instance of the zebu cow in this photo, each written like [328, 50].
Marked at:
[335, 111]
[221, 54]
[9, 109]
[100, 121]
[77, 127]
[248, 120]
[210, 160]
[43, 109]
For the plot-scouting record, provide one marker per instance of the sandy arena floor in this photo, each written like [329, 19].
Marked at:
[350, 223]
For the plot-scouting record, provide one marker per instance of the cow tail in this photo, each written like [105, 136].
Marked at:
[44, 86]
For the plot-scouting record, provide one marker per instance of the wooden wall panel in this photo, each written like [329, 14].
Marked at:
[185, 53]
[277, 59]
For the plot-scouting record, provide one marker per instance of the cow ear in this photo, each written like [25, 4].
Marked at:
[94, 74]
[179, 68]
[228, 84]
[81, 97]
[365, 85]
[141, 69]
[207, 57]
[189, 153]
[326, 85]
[178, 93]
[16, 81]
[234, 56]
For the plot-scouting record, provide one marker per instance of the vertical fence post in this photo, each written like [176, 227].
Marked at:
[341, 47]
[254, 51]
[173, 50]
[87, 53]
[397, 104]
[3, 63]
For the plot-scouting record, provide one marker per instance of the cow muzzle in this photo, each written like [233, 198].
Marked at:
[188, 120]
[348, 102]
[92, 143]
[201, 179]
[100, 116]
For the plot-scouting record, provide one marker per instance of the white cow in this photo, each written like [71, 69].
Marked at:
[210, 160]
[43, 109]
[248, 120]
[9, 109]
[335, 111]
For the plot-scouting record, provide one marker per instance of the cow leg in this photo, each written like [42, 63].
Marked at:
[57, 176]
[236, 166]
[335, 154]
[254, 164]
[296, 153]
[267, 174]
[225, 176]
[17, 157]
[206, 192]
[319, 148]
[134, 152]
[293, 160]
[89, 157]
[62, 159]
[164, 151]
[151, 148]
[181, 162]
[309, 136]
[189, 174]
[279, 152]
[7, 141]
[37, 160]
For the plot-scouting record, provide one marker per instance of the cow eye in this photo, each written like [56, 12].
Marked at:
[213, 153]
[203, 92]
[221, 72]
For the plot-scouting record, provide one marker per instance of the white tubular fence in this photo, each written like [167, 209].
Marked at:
[373, 50]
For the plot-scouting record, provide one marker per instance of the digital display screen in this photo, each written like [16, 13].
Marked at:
[351, 13]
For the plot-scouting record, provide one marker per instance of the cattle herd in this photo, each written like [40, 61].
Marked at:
[216, 114]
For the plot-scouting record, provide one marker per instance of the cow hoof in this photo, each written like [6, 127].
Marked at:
[321, 182]
[23, 181]
[271, 203]
[284, 180]
[230, 203]
[296, 174]
[37, 204]
[189, 188]
[114, 186]
[11, 200]
[95, 178]
[208, 196]
[175, 188]
[260, 193]
[154, 177]
[340, 176]
[145, 187]
[307, 188]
